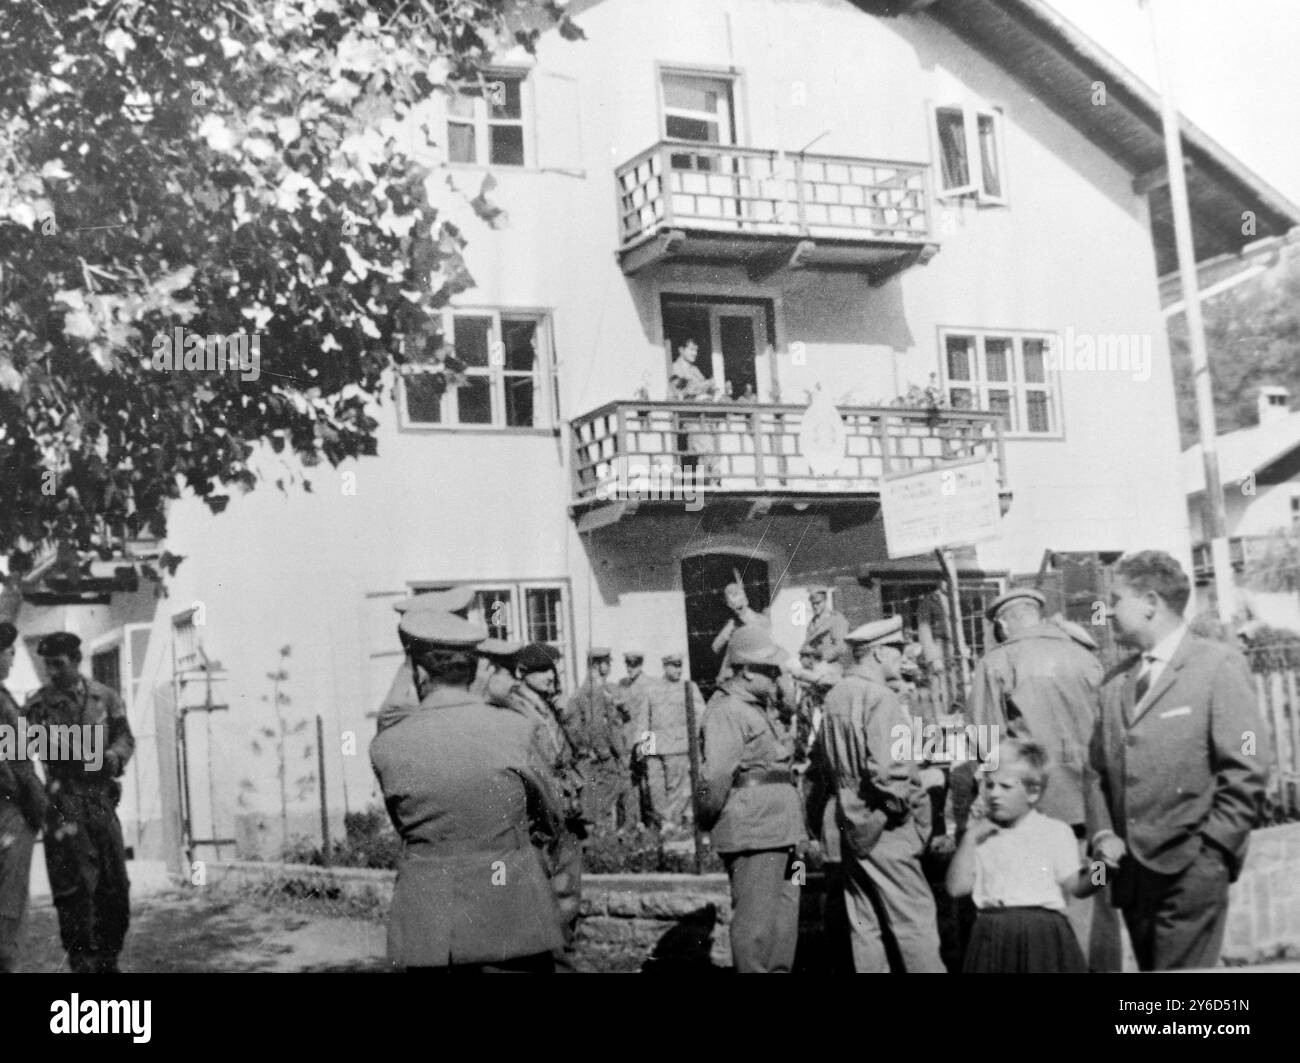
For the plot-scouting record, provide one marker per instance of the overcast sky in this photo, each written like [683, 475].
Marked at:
[1238, 70]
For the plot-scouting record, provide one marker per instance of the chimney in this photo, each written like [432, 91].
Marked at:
[1274, 403]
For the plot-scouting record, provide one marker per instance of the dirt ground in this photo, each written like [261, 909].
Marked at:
[193, 930]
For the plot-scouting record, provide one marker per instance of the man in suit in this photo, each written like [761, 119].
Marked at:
[1181, 751]
[469, 792]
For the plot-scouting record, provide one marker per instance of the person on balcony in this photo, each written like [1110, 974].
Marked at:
[697, 442]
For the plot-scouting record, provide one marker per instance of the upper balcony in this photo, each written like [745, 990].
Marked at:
[752, 452]
[770, 210]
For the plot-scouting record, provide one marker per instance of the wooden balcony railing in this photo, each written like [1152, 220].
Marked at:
[740, 448]
[686, 185]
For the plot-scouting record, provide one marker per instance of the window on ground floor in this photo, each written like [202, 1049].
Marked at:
[914, 598]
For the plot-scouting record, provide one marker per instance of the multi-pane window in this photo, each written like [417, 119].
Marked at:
[507, 369]
[908, 598]
[485, 122]
[1005, 372]
[970, 153]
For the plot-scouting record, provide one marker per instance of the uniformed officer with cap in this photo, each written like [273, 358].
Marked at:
[666, 745]
[496, 676]
[632, 698]
[880, 808]
[826, 629]
[533, 696]
[749, 805]
[401, 691]
[22, 811]
[84, 854]
[596, 726]
[469, 794]
[1040, 683]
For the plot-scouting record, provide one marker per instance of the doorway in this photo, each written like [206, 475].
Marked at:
[733, 336]
[703, 578]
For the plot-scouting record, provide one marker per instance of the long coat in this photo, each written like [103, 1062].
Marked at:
[1186, 764]
[853, 764]
[1043, 685]
[466, 790]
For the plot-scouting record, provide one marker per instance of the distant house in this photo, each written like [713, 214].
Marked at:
[857, 200]
[1260, 470]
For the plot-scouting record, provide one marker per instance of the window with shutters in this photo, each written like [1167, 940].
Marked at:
[1006, 372]
[969, 152]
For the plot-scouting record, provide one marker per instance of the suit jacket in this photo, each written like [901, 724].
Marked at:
[1172, 770]
[1043, 685]
[465, 788]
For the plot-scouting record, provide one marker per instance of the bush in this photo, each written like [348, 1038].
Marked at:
[638, 850]
[369, 841]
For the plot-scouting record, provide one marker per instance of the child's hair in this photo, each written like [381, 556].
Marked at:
[1034, 760]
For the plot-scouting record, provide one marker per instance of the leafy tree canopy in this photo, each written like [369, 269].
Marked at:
[227, 166]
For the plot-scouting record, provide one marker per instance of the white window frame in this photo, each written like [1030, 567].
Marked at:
[728, 77]
[517, 621]
[481, 120]
[975, 186]
[546, 410]
[1017, 385]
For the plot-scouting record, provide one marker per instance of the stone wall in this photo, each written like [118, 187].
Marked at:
[680, 922]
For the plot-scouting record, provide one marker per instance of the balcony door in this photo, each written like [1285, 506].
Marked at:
[701, 109]
[733, 338]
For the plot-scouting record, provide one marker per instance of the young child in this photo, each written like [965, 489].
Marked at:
[1019, 864]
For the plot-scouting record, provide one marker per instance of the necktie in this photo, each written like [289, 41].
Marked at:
[1144, 679]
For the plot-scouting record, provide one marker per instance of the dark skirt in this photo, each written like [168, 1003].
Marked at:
[1023, 941]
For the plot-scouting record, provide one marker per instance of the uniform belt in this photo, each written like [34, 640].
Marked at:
[759, 776]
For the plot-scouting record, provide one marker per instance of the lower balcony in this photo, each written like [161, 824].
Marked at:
[739, 450]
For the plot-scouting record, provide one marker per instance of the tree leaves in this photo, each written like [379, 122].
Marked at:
[202, 167]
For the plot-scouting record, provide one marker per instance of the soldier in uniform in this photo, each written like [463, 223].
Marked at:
[470, 796]
[537, 684]
[632, 698]
[84, 854]
[1041, 684]
[881, 809]
[668, 750]
[826, 629]
[496, 675]
[750, 807]
[596, 726]
[401, 692]
[22, 810]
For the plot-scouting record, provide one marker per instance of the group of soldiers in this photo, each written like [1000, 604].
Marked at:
[76, 807]
[494, 793]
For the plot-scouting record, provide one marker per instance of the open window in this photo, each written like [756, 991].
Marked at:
[970, 154]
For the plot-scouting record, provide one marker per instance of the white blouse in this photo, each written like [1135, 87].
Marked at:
[1022, 866]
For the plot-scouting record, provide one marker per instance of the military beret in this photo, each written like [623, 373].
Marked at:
[598, 653]
[1015, 594]
[753, 644]
[536, 657]
[441, 629]
[672, 658]
[59, 644]
[453, 600]
[887, 632]
[8, 635]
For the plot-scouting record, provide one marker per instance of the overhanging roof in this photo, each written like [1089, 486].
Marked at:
[1058, 64]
